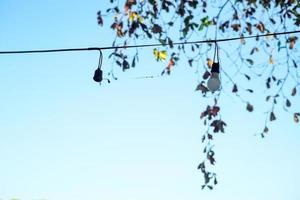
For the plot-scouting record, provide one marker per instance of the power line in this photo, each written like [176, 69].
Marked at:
[146, 45]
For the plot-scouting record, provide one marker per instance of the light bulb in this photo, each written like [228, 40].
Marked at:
[214, 83]
[98, 75]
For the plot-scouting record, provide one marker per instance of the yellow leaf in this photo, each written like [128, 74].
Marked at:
[140, 19]
[132, 16]
[209, 62]
[163, 55]
[160, 55]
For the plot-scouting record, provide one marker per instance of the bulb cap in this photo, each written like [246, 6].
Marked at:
[215, 68]
[98, 75]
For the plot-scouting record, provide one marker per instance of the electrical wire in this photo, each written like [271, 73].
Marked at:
[146, 45]
[100, 59]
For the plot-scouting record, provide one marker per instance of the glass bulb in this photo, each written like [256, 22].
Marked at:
[214, 83]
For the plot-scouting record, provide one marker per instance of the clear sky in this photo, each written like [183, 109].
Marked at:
[62, 136]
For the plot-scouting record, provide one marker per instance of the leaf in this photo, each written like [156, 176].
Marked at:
[236, 27]
[205, 22]
[132, 16]
[249, 107]
[288, 103]
[214, 111]
[209, 63]
[190, 61]
[206, 75]
[272, 116]
[292, 41]
[170, 42]
[215, 181]
[133, 62]
[218, 126]
[242, 40]
[294, 91]
[211, 159]
[170, 66]
[261, 27]
[295, 64]
[163, 41]
[128, 5]
[272, 20]
[140, 19]
[203, 137]
[201, 166]
[250, 61]
[100, 18]
[160, 55]
[268, 85]
[206, 178]
[255, 49]
[119, 63]
[296, 117]
[235, 88]
[125, 65]
[271, 61]
[210, 187]
[202, 88]
[247, 77]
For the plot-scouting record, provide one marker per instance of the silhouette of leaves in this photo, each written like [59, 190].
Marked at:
[160, 20]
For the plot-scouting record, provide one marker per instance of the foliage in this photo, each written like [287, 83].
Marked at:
[158, 20]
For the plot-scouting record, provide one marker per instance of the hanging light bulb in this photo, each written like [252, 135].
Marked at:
[98, 75]
[214, 83]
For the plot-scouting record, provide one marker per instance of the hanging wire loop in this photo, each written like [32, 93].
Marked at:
[100, 59]
[216, 53]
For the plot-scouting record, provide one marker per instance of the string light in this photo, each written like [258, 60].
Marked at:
[214, 82]
[98, 75]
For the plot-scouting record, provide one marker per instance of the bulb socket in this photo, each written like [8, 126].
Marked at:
[98, 75]
[215, 68]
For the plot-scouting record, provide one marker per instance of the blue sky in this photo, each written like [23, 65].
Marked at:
[64, 137]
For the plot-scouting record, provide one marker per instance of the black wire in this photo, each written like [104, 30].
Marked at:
[216, 53]
[146, 45]
[100, 59]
